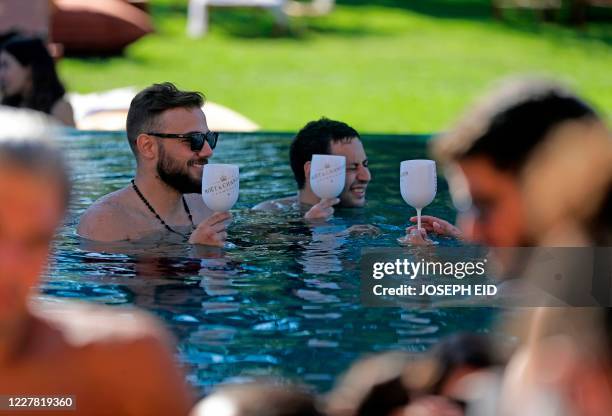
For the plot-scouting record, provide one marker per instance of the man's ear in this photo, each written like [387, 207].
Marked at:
[307, 171]
[146, 146]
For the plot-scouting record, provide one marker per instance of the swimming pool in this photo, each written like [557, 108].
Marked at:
[285, 301]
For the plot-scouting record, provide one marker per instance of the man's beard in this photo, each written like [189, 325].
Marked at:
[177, 177]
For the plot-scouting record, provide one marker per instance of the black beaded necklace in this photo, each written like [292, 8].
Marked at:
[157, 215]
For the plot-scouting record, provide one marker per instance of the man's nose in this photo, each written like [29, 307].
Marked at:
[363, 174]
[206, 151]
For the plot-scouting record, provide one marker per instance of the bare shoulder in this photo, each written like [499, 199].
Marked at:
[85, 323]
[124, 349]
[276, 204]
[108, 219]
[62, 110]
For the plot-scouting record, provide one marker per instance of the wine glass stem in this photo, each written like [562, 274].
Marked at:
[419, 219]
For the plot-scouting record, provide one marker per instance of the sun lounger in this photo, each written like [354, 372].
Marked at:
[197, 20]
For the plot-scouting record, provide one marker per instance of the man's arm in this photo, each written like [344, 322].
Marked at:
[437, 226]
[432, 225]
[210, 227]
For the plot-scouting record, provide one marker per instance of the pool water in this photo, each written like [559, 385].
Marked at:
[285, 301]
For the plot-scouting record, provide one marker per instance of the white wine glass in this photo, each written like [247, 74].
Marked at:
[418, 184]
[220, 186]
[327, 174]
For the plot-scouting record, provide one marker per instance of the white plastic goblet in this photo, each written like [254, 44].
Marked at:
[418, 184]
[327, 174]
[220, 186]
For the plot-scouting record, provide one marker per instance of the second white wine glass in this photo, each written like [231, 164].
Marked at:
[327, 174]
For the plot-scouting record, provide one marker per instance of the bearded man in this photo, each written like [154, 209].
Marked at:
[168, 134]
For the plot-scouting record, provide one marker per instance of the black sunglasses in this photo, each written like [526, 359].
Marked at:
[196, 139]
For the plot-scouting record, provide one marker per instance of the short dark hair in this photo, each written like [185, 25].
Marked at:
[149, 103]
[511, 122]
[316, 138]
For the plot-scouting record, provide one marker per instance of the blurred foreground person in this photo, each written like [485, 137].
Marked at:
[257, 399]
[401, 384]
[530, 164]
[326, 137]
[28, 79]
[169, 137]
[564, 368]
[113, 361]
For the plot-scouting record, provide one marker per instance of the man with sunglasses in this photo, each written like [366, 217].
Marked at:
[168, 134]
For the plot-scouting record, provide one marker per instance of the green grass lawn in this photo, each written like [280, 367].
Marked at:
[382, 66]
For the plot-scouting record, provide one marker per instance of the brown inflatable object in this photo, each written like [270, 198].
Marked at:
[97, 27]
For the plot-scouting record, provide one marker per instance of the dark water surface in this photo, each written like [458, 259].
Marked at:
[285, 301]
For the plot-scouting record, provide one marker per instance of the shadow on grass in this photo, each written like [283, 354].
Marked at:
[448, 9]
[259, 24]
[558, 30]
[599, 29]
[162, 8]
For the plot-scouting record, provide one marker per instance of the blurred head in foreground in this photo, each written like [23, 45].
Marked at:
[393, 383]
[34, 190]
[28, 78]
[111, 362]
[527, 157]
[257, 399]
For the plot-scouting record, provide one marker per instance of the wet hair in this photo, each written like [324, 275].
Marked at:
[47, 89]
[149, 103]
[26, 142]
[316, 138]
[511, 122]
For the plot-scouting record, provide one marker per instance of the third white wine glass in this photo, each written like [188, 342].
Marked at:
[418, 184]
